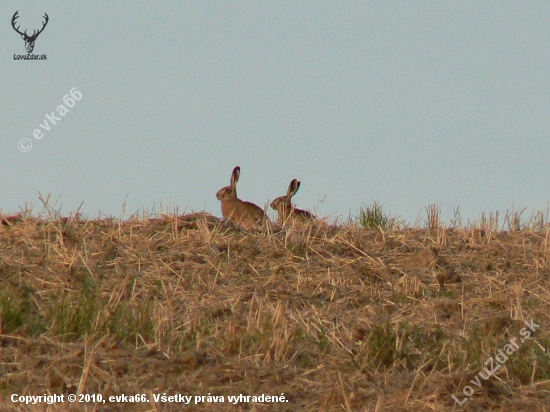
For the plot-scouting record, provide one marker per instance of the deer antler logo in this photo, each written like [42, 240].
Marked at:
[29, 40]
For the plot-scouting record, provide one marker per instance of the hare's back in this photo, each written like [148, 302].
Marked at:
[253, 210]
[303, 214]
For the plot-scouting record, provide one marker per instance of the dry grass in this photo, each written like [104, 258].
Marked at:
[335, 317]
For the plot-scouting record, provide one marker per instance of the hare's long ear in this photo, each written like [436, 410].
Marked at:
[289, 190]
[293, 188]
[235, 176]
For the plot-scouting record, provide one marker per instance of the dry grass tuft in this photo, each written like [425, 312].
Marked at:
[336, 317]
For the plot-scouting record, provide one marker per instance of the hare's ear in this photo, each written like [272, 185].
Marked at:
[235, 176]
[293, 188]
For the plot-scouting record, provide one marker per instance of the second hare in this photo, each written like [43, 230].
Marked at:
[234, 209]
[283, 205]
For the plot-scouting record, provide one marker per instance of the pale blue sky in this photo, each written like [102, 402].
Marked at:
[406, 103]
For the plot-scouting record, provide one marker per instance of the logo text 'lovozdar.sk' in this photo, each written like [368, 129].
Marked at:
[29, 39]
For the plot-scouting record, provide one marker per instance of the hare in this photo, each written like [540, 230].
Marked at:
[284, 207]
[234, 209]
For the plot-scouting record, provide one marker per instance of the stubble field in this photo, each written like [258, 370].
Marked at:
[322, 317]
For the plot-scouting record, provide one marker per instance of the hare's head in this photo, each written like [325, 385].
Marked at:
[283, 204]
[230, 192]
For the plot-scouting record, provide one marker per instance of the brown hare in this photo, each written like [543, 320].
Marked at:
[234, 209]
[283, 205]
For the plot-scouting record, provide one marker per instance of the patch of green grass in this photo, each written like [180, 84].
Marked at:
[529, 362]
[72, 317]
[18, 312]
[129, 322]
[381, 346]
[373, 217]
[323, 340]
[430, 345]
[388, 346]
[11, 314]
[472, 349]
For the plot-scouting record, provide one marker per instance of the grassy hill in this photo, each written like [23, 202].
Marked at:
[334, 317]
